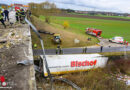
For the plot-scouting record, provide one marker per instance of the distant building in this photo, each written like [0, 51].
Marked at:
[128, 16]
[81, 12]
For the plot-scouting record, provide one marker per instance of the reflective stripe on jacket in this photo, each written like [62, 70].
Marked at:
[17, 13]
[1, 15]
[22, 13]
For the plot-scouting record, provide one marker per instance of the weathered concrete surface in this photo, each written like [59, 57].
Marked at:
[17, 48]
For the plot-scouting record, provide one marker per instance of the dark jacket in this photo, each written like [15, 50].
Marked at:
[22, 12]
[6, 12]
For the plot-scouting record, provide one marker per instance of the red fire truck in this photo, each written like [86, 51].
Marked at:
[94, 32]
[18, 6]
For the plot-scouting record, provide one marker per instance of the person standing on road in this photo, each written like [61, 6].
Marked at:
[59, 50]
[1, 17]
[127, 44]
[6, 13]
[101, 48]
[85, 50]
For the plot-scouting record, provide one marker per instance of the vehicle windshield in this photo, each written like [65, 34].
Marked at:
[57, 37]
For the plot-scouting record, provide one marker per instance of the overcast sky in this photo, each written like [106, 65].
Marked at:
[121, 6]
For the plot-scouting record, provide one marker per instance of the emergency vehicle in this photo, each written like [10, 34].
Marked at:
[94, 32]
[117, 39]
[18, 6]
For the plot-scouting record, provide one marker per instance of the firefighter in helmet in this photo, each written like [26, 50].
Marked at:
[22, 16]
[2, 18]
[17, 15]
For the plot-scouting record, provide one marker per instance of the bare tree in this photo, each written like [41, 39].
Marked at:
[47, 9]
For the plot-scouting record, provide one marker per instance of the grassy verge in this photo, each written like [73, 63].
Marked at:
[113, 16]
[114, 53]
[110, 28]
[97, 79]
[102, 78]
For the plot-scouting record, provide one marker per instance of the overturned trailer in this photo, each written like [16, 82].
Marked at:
[61, 64]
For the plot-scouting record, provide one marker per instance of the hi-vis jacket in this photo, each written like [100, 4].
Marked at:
[1, 14]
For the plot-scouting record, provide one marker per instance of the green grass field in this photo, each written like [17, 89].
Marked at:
[113, 16]
[110, 28]
[67, 35]
[101, 15]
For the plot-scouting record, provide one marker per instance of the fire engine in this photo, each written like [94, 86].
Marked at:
[94, 32]
[18, 6]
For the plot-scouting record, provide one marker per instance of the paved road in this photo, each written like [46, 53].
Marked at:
[80, 50]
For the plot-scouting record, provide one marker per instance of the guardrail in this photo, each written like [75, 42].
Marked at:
[83, 50]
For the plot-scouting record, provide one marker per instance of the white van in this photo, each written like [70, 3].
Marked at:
[117, 39]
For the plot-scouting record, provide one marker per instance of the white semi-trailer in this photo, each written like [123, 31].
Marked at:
[61, 64]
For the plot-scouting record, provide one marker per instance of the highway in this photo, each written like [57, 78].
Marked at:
[38, 52]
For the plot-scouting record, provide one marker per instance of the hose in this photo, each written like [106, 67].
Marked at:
[68, 82]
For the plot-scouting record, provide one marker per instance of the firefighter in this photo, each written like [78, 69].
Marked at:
[89, 39]
[101, 48]
[85, 50]
[28, 13]
[127, 44]
[22, 16]
[59, 50]
[6, 12]
[17, 15]
[1, 17]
